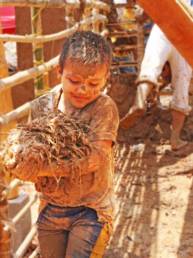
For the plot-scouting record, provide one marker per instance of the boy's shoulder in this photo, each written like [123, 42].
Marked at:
[105, 119]
[104, 101]
[105, 109]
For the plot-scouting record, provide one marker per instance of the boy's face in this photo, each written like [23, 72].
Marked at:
[82, 84]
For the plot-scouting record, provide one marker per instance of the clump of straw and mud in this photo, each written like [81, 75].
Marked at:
[47, 142]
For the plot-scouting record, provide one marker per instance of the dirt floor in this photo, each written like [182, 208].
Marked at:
[154, 191]
[154, 195]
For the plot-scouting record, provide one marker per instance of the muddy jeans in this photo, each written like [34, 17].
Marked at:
[71, 233]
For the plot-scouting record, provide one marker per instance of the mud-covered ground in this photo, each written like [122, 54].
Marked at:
[154, 196]
[154, 189]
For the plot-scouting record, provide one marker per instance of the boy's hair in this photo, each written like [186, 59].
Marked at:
[87, 48]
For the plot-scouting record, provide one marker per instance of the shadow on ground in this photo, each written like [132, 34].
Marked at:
[136, 205]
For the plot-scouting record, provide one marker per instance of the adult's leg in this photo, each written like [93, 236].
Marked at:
[88, 237]
[177, 125]
[181, 77]
[157, 52]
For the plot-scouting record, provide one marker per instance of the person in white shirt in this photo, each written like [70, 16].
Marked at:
[158, 51]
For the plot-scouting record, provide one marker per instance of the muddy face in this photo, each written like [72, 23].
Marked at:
[82, 84]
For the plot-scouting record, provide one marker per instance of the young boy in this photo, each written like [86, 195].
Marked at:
[76, 216]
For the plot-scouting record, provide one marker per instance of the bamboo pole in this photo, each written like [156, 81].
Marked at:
[55, 36]
[15, 114]
[35, 253]
[38, 49]
[24, 209]
[39, 3]
[176, 22]
[186, 7]
[25, 244]
[19, 113]
[31, 73]
[12, 185]
[54, 3]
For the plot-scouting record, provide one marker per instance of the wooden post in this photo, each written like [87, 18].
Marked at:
[78, 12]
[53, 48]
[41, 82]
[176, 22]
[23, 92]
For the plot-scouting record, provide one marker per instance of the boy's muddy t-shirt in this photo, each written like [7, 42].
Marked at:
[93, 189]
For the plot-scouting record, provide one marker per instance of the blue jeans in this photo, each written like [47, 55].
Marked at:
[66, 232]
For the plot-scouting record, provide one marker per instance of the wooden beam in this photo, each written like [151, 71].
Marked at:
[25, 91]
[176, 22]
[53, 48]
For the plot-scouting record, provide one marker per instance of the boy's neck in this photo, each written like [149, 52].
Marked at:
[65, 105]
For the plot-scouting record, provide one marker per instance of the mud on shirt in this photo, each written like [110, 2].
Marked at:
[95, 188]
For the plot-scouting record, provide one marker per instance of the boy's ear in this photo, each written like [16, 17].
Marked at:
[59, 72]
[108, 75]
